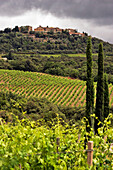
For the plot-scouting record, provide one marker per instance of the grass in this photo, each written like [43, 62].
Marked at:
[70, 55]
[54, 55]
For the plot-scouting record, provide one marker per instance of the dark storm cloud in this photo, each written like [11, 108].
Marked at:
[99, 11]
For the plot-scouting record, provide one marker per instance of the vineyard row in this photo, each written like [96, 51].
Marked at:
[59, 90]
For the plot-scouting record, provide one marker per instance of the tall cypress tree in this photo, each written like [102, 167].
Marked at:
[92, 94]
[99, 112]
[89, 84]
[106, 97]
[92, 103]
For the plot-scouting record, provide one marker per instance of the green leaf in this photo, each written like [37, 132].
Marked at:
[1, 163]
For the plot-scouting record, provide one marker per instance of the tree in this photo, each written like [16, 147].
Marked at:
[99, 112]
[92, 103]
[7, 30]
[16, 29]
[9, 57]
[106, 97]
[89, 85]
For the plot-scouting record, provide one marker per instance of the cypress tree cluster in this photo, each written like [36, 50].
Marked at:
[102, 95]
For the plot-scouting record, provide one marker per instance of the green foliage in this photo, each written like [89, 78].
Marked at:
[106, 97]
[100, 88]
[16, 29]
[92, 96]
[71, 65]
[89, 83]
[35, 109]
[50, 43]
[32, 145]
[47, 86]
[41, 85]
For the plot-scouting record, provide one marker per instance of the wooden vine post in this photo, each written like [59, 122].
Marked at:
[90, 153]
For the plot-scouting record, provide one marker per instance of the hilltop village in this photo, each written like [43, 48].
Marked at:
[53, 37]
[46, 40]
[47, 29]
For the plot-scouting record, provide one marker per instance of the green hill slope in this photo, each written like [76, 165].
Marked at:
[50, 43]
[59, 90]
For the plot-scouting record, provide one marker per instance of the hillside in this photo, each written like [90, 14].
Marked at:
[49, 43]
[58, 90]
[60, 53]
[66, 65]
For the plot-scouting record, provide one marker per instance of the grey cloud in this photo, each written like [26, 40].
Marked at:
[99, 11]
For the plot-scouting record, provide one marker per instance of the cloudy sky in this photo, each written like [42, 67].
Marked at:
[92, 16]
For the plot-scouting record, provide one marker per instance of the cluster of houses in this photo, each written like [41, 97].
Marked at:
[50, 29]
[47, 29]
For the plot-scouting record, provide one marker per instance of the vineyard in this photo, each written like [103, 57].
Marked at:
[59, 90]
[29, 145]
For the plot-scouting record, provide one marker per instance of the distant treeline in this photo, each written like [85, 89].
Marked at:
[74, 67]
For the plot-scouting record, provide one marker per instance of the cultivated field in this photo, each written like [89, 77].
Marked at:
[59, 90]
